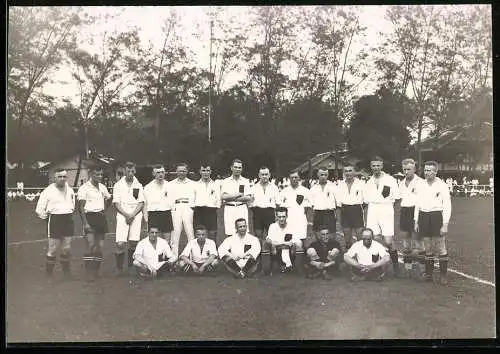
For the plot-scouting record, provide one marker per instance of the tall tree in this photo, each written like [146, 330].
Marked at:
[379, 126]
[102, 78]
[37, 41]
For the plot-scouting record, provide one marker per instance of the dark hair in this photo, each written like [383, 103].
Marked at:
[182, 164]
[95, 167]
[323, 227]
[236, 160]
[281, 209]
[323, 168]
[130, 164]
[205, 165]
[367, 229]
[377, 158]
[158, 166]
[347, 164]
[264, 168]
[431, 163]
[239, 220]
[200, 228]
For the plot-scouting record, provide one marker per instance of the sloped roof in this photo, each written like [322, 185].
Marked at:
[454, 134]
[315, 160]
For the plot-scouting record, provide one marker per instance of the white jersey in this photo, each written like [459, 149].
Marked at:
[352, 196]
[409, 193]
[386, 192]
[54, 201]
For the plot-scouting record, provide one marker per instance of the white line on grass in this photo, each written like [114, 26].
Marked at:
[471, 277]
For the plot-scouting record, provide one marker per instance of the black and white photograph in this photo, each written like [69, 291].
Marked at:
[249, 173]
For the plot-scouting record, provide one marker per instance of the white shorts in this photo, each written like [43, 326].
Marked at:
[126, 232]
[380, 218]
[231, 213]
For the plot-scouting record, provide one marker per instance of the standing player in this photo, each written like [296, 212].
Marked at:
[56, 205]
[408, 190]
[206, 201]
[236, 194]
[128, 198]
[282, 243]
[153, 256]
[182, 194]
[157, 206]
[199, 255]
[350, 197]
[92, 197]
[324, 202]
[432, 215]
[381, 191]
[239, 253]
[264, 195]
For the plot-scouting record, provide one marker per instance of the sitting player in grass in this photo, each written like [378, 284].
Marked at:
[239, 253]
[199, 255]
[323, 255]
[282, 243]
[368, 258]
[153, 256]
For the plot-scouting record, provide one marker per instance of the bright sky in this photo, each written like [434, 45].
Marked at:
[193, 20]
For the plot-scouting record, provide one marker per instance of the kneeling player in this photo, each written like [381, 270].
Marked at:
[239, 253]
[153, 256]
[199, 255]
[282, 244]
[368, 258]
[323, 255]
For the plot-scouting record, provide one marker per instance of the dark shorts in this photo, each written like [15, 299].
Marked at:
[60, 225]
[161, 219]
[351, 216]
[430, 223]
[325, 217]
[97, 220]
[406, 219]
[263, 218]
[205, 216]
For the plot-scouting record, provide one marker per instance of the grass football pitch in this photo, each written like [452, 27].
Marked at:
[280, 307]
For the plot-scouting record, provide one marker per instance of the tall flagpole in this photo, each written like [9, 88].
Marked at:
[210, 84]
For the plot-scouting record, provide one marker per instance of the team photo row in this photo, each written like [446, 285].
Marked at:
[294, 229]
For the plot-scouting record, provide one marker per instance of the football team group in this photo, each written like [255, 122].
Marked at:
[279, 241]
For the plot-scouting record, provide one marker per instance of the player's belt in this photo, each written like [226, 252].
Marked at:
[234, 204]
[181, 201]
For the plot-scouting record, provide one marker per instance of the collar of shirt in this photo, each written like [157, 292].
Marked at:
[135, 182]
[207, 194]
[264, 198]
[94, 196]
[409, 193]
[353, 196]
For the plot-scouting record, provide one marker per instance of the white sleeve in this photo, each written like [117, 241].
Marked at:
[224, 247]
[116, 194]
[187, 250]
[41, 205]
[446, 204]
[307, 198]
[139, 250]
[80, 195]
[382, 250]
[271, 233]
[106, 193]
[255, 248]
[352, 252]
[168, 251]
[212, 249]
